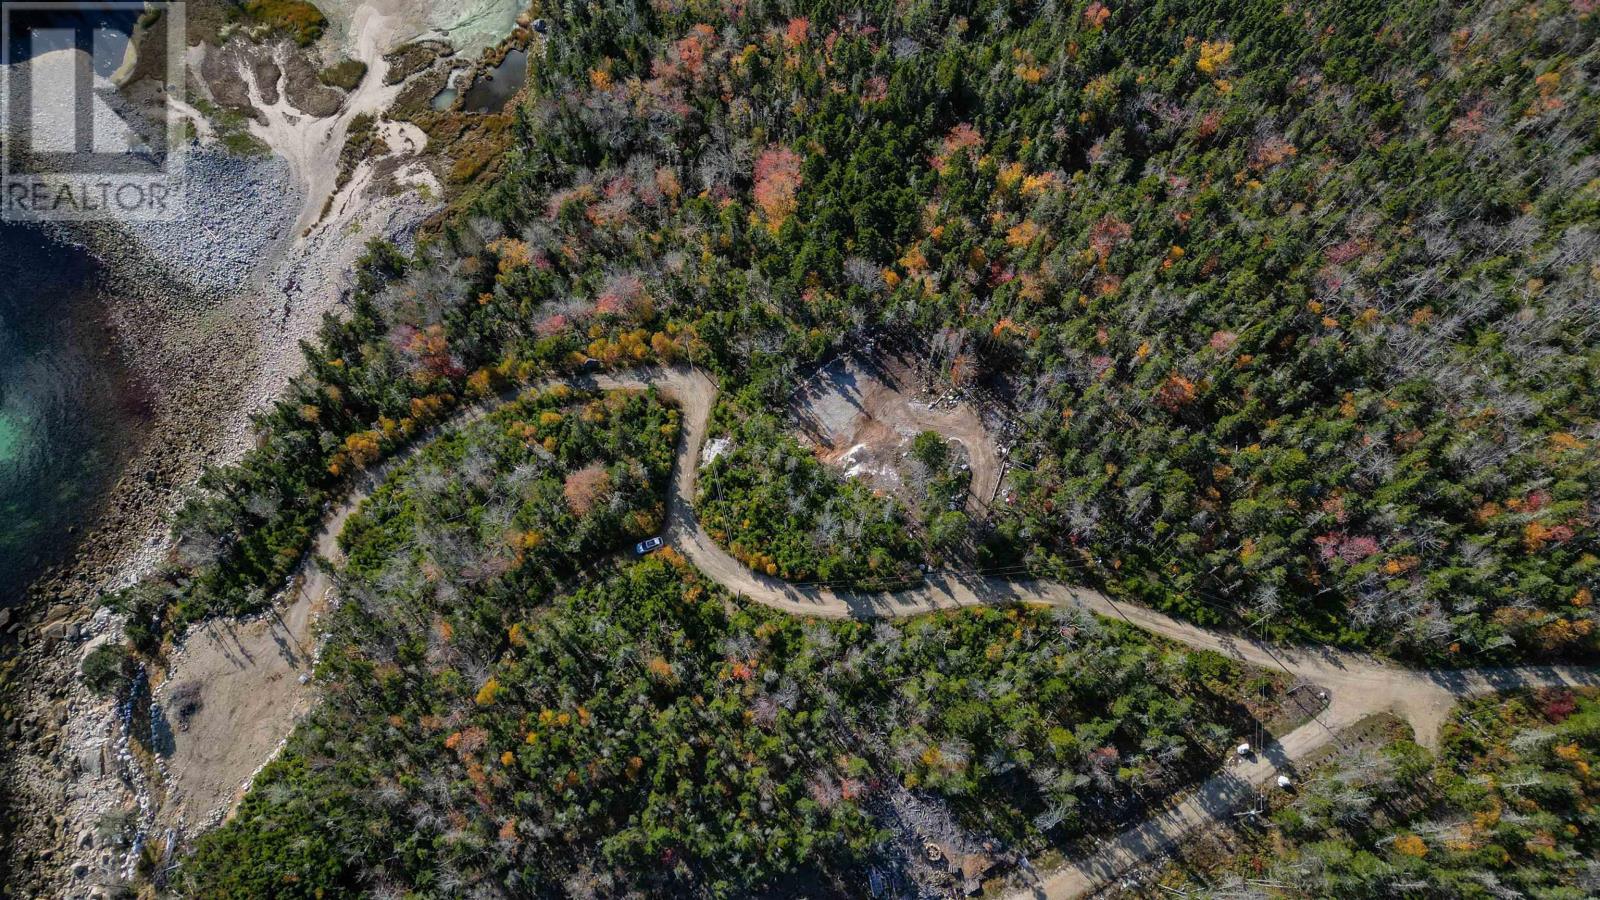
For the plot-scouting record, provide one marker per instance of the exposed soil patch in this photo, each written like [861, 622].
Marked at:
[862, 414]
[222, 71]
[306, 90]
[267, 75]
[278, 72]
[235, 690]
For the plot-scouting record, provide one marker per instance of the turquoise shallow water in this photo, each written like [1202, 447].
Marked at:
[11, 433]
[63, 409]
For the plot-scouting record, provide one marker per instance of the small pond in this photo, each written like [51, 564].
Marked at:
[442, 100]
[492, 90]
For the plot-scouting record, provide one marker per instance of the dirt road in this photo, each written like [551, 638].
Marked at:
[1358, 685]
[249, 673]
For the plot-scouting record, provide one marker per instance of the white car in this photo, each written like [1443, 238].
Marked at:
[646, 546]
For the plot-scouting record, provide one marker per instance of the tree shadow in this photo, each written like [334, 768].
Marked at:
[1474, 682]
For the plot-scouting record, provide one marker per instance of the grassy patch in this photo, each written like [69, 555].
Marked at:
[299, 20]
[232, 128]
[345, 75]
[407, 61]
[241, 143]
[480, 148]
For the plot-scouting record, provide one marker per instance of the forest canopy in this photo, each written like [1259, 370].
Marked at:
[507, 709]
[1290, 310]
[1505, 808]
[1293, 307]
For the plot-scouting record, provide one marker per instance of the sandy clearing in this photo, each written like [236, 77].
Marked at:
[249, 680]
[862, 416]
[388, 196]
[253, 675]
[402, 137]
[312, 145]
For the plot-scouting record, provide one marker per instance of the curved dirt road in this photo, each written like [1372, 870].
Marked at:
[1358, 685]
[254, 675]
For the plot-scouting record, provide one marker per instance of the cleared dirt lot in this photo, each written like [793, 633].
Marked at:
[232, 695]
[861, 415]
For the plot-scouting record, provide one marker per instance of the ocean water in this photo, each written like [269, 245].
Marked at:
[65, 406]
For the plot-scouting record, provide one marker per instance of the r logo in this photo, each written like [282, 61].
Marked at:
[83, 107]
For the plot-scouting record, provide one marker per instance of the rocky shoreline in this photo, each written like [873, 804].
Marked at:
[62, 765]
[207, 315]
[208, 350]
